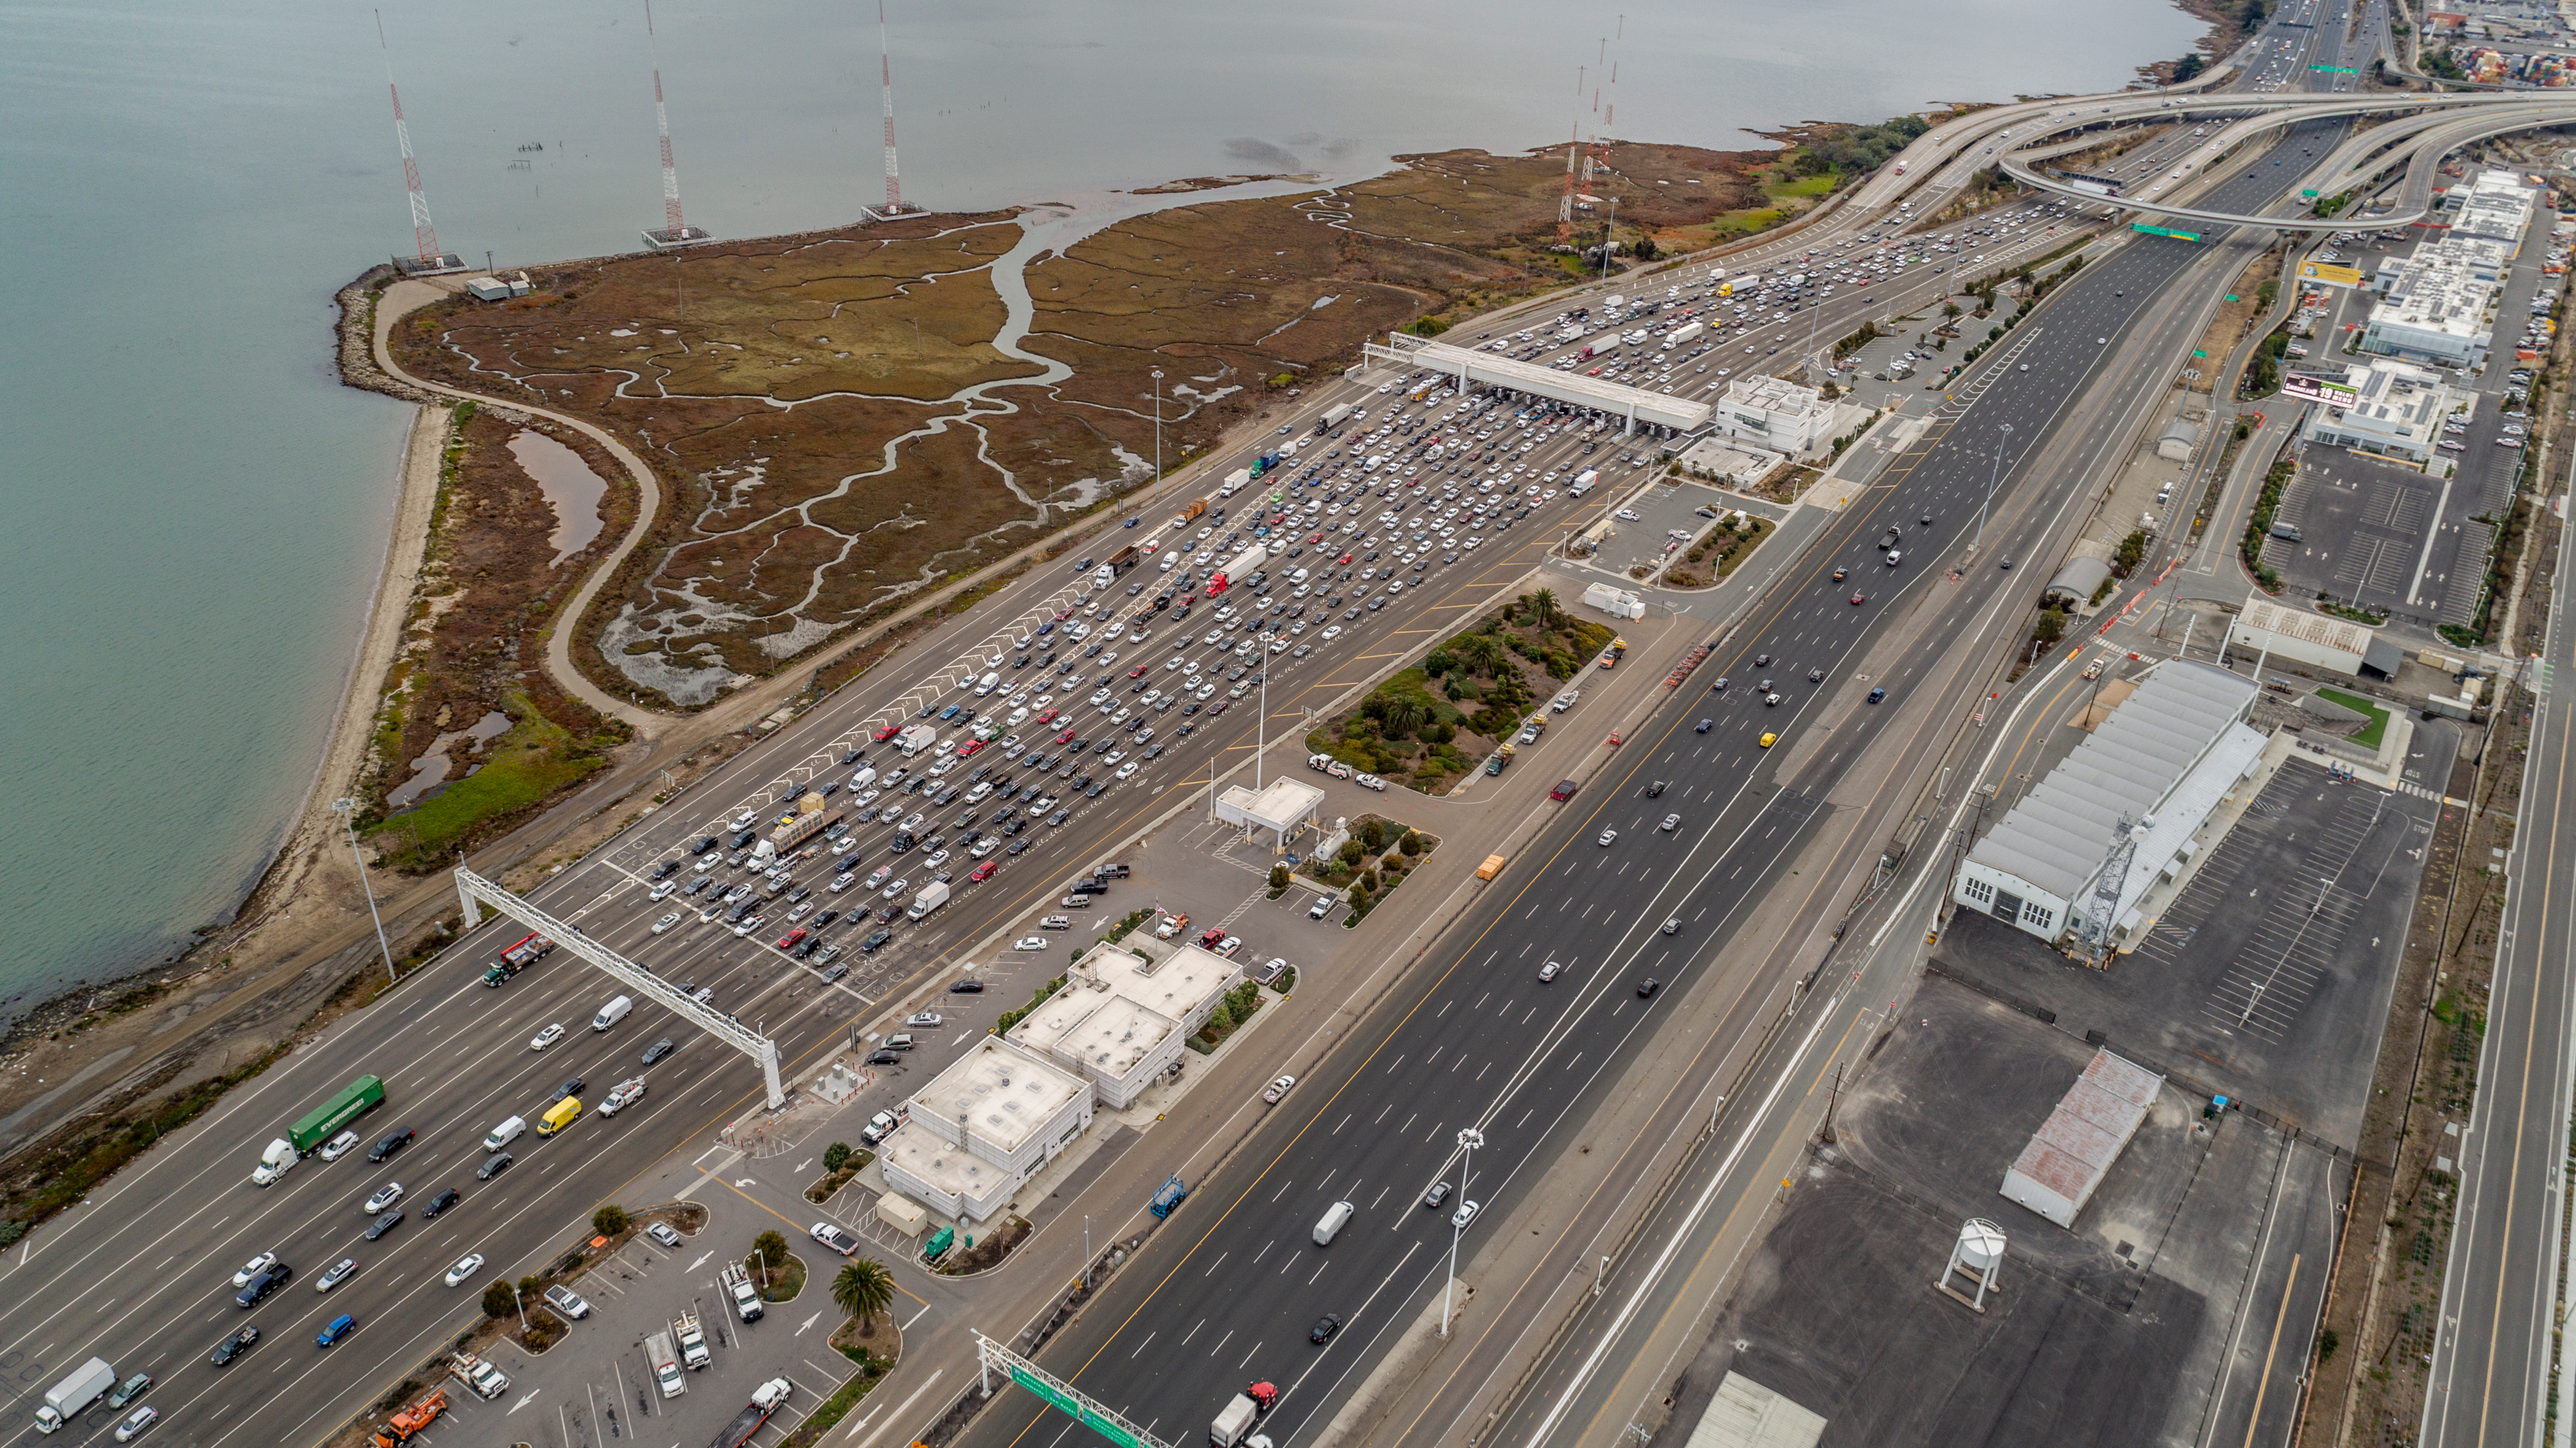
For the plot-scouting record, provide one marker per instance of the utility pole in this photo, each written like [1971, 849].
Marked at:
[1830, 1101]
[347, 809]
[1468, 1140]
[1994, 476]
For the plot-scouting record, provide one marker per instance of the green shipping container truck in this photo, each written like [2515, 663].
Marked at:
[352, 1101]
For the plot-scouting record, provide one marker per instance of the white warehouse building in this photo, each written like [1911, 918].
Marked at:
[2156, 768]
[1123, 1016]
[982, 1128]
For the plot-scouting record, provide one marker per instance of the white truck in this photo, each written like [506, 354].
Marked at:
[486, 1380]
[1238, 568]
[274, 1162]
[738, 1286]
[1235, 482]
[666, 1365]
[932, 896]
[914, 739]
[1583, 482]
[1683, 335]
[88, 1383]
[693, 1341]
[1335, 416]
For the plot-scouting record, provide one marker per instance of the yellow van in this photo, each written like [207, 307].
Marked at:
[565, 1113]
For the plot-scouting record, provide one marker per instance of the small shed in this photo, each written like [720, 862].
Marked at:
[2077, 582]
[2178, 441]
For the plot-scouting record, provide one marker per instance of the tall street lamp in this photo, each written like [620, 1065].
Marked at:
[1158, 430]
[1468, 1141]
[347, 809]
[1992, 477]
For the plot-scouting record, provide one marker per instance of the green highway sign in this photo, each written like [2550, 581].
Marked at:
[2164, 231]
[2309, 194]
[2334, 70]
[1106, 1427]
[2196, 352]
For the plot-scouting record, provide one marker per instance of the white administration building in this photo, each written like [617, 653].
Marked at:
[2140, 788]
[1124, 1014]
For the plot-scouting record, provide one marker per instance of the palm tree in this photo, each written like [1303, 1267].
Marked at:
[1484, 652]
[1403, 715]
[1543, 603]
[863, 1289]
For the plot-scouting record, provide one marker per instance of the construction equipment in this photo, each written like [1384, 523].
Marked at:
[412, 1419]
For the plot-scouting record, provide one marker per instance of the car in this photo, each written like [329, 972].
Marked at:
[131, 1389]
[440, 1203]
[547, 1037]
[466, 1266]
[253, 1268]
[666, 922]
[233, 1347]
[658, 1050]
[1671, 823]
[661, 1232]
[1564, 791]
[1769, 739]
[834, 1238]
[571, 1087]
[706, 993]
[386, 1196]
[1608, 838]
[393, 1142]
[1277, 1089]
[884, 1058]
[1858, 599]
[876, 939]
[336, 1329]
[567, 1302]
[138, 1421]
[793, 938]
[339, 1146]
[1646, 988]
[1323, 1330]
[923, 1019]
[1875, 695]
[493, 1166]
[1030, 942]
[1438, 1194]
[966, 987]
[1550, 971]
[341, 1271]
[1673, 926]
[1466, 1213]
[1703, 726]
[384, 1222]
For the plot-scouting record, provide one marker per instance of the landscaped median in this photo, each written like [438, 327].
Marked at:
[1368, 866]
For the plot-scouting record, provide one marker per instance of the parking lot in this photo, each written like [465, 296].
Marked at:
[1653, 524]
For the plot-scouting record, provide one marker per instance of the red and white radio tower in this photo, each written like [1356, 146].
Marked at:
[424, 235]
[885, 71]
[674, 232]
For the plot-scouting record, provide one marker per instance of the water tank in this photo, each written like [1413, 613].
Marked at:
[1981, 1246]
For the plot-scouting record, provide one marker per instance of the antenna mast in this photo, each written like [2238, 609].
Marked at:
[885, 72]
[674, 232]
[424, 235]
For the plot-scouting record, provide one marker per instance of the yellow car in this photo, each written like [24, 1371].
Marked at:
[1769, 739]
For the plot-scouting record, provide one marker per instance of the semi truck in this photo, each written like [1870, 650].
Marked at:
[275, 1162]
[666, 1365]
[1334, 416]
[693, 1341]
[1583, 482]
[807, 820]
[530, 949]
[932, 896]
[1683, 335]
[486, 1380]
[351, 1102]
[1234, 1421]
[1241, 566]
[1116, 563]
[87, 1384]
[1609, 343]
[765, 1400]
[1191, 511]
[914, 739]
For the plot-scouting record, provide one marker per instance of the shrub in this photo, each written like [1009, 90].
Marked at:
[1278, 881]
[609, 1220]
[1411, 844]
[497, 1300]
[1373, 834]
[836, 1156]
[772, 1248]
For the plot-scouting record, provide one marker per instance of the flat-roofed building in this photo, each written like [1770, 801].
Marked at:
[2397, 410]
[982, 1127]
[1124, 1016]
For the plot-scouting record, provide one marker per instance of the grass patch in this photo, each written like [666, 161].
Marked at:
[785, 1281]
[1233, 1011]
[522, 769]
[2371, 733]
[1805, 186]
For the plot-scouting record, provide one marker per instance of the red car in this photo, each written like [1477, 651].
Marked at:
[983, 872]
[1050, 716]
[967, 750]
[888, 732]
[1138, 672]
[1314, 537]
[1065, 738]
[1859, 598]
[792, 939]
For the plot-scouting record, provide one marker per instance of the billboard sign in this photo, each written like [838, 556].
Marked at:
[2318, 389]
[2327, 274]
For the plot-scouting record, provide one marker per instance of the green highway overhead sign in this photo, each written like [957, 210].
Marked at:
[2164, 231]
[1106, 1427]
[2334, 70]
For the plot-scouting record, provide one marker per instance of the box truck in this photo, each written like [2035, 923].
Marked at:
[914, 739]
[1683, 335]
[932, 896]
[88, 1383]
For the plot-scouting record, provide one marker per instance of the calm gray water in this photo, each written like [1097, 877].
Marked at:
[195, 511]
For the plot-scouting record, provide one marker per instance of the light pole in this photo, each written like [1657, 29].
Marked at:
[1992, 477]
[1468, 1140]
[347, 809]
[1158, 429]
[522, 1304]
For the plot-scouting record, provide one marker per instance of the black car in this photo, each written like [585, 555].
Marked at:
[965, 987]
[836, 972]
[384, 1222]
[1648, 987]
[392, 1143]
[1094, 791]
[273, 1277]
[571, 1087]
[499, 1163]
[887, 915]
[666, 869]
[826, 918]
[806, 951]
[1324, 1328]
[440, 1203]
[884, 1058]
[1655, 790]
[657, 1050]
[703, 845]
[875, 942]
[234, 1346]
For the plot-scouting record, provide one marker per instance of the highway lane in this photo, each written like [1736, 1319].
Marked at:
[1479, 1040]
[2493, 1359]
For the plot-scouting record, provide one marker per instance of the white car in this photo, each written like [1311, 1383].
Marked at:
[466, 1266]
[341, 1271]
[985, 846]
[923, 1018]
[1466, 1213]
[386, 1196]
[253, 1268]
[662, 892]
[1127, 770]
[1278, 1089]
[934, 859]
[136, 1422]
[666, 922]
[547, 1037]
[1609, 838]
[1030, 942]
[339, 1146]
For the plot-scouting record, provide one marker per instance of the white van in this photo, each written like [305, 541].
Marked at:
[987, 684]
[866, 776]
[611, 1013]
[1336, 1217]
[505, 1133]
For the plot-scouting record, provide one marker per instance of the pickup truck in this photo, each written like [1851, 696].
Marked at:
[693, 1341]
[624, 1094]
[738, 1286]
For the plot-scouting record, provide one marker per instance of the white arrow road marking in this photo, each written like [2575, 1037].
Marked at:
[809, 1322]
[525, 1399]
[746, 1181]
[809, 1161]
[701, 1262]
